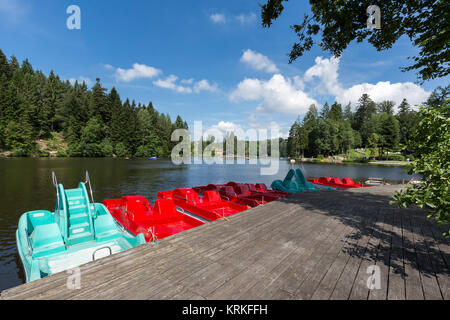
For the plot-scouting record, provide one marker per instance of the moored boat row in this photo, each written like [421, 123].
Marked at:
[80, 230]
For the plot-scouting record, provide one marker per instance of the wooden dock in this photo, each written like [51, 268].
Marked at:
[314, 245]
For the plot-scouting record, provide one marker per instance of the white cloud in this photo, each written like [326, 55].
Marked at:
[252, 132]
[227, 126]
[385, 90]
[279, 94]
[243, 19]
[204, 85]
[258, 61]
[218, 18]
[138, 71]
[187, 81]
[326, 70]
[169, 83]
[246, 18]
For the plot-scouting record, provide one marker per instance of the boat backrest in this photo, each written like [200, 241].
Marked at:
[46, 239]
[138, 205]
[186, 194]
[165, 209]
[211, 197]
[348, 181]
[251, 187]
[261, 187]
[336, 180]
[325, 179]
[242, 189]
[165, 194]
[228, 192]
[232, 184]
[199, 189]
[111, 204]
[212, 187]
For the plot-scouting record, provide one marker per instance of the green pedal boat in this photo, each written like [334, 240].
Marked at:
[79, 231]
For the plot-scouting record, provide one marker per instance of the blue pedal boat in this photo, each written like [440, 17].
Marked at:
[77, 232]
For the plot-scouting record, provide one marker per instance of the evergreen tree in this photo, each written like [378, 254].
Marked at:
[348, 114]
[366, 107]
[407, 120]
[386, 106]
[335, 113]
[324, 111]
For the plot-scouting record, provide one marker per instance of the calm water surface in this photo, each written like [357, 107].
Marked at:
[25, 185]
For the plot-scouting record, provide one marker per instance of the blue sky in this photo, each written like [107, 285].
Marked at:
[206, 60]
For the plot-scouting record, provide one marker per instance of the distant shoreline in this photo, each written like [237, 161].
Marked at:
[379, 162]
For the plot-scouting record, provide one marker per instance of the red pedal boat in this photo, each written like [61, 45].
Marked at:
[211, 206]
[137, 215]
[262, 188]
[243, 192]
[338, 183]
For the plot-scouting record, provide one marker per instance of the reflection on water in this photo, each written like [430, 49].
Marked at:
[25, 184]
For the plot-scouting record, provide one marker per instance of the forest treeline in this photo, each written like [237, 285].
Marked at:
[94, 122]
[335, 130]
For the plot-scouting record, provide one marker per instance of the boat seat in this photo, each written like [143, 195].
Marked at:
[232, 184]
[228, 192]
[186, 194]
[325, 179]
[211, 197]
[251, 187]
[138, 205]
[164, 209]
[46, 239]
[38, 217]
[242, 190]
[262, 187]
[105, 227]
[348, 181]
[336, 180]
[165, 194]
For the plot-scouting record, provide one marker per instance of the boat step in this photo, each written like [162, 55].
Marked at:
[79, 228]
[79, 219]
[78, 215]
[77, 206]
[70, 198]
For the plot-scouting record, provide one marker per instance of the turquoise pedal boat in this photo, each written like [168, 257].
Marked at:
[295, 181]
[77, 232]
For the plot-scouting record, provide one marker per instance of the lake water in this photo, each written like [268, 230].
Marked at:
[25, 185]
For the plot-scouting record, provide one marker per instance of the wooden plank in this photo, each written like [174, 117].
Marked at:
[413, 281]
[382, 259]
[308, 239]
[438, 264]
[344, 280]
[315, 277]
[428, 277]
[359, 290]
[396, 287]
[298, 272]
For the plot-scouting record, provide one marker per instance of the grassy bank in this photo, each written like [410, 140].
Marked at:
[361, 156]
